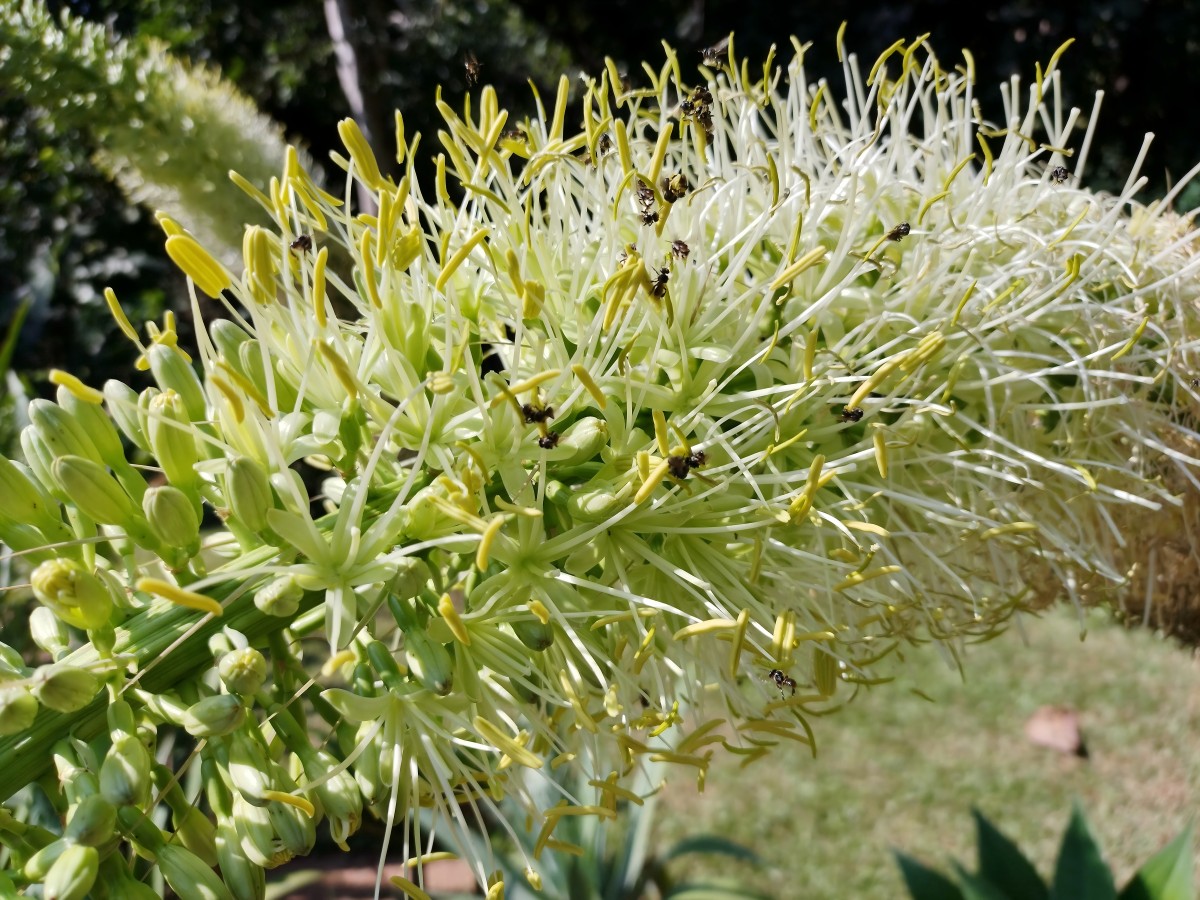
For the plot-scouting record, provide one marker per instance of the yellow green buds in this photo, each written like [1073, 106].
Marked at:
[49, 632]
[122, 403]
[72, 593]
[73, 873]
[173, 518]
[172, 438]
[172, 372]
[92, 822]
[96, 425]
[214, 716]
[18, 709]
[97, 494]
[125, 772]
[429, 662]
[243, 671]
[64, 688]
[188, 876]
[24, 499]
[248, 492]
[60, 431]
[279, 597]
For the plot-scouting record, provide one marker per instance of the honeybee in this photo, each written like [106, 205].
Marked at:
[473, 68]
[534, 414]
[850, 414]
[674, 186]
[302, 244]
[659, 286]
[680, 250]
[781, 681]
[714, 53]
[549, 440]
[679, 466]
[1059, 174]
[899, 232]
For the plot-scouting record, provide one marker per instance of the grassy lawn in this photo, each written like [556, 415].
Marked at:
[896, 770]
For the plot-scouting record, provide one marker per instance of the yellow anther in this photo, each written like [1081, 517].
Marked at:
[178, 595]
[198, 264]
[77, 388]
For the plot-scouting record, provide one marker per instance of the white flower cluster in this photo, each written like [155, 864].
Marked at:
[638, 439]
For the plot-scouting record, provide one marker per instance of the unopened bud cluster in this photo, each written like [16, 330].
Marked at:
[643, 431]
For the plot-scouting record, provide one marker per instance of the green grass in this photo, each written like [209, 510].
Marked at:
[895, 770]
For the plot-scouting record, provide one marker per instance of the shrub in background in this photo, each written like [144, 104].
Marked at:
[638, 440]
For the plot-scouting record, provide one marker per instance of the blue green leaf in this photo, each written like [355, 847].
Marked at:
[924, 883]
[1003, 864]
[1081, 873]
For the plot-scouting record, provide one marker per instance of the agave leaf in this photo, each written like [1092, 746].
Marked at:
[1167, 875]
[1003, 864]
[924, 883]
[1081, 873]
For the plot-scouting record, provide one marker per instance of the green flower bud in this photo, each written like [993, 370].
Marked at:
[125, 772]
[73, 874]
[49, 632]
[60, 432]
[122, 401]
[121, 885]
[280, 597]
[297, 831]
[173, 518]
[11, 661]
[25, 502]
[228, 338]
[72, 593]
[38, 866]
[93, 821]
[593, 506]
[18, 709]
[580, 443]
[245, 879]
[174, 373]
[243, 671]
[29, 542]
[214, 716]
[90, 487]
[247, 765]
[41, 461]
[173, 439]
[188, 876]
[429, 662]
[96, 425]
[256, 834]
[63, 688]
[412, 576]
[197, 832]
[533, 634]
[248, 492]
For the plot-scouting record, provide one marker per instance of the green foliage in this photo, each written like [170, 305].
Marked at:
[617, 859]
[1080, 873]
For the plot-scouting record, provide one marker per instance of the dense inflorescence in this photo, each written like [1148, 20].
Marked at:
[636, 441]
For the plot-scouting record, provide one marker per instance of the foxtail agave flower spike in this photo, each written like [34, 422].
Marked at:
[645, 410]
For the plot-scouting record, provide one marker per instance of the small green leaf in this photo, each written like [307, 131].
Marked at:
[1003, 864]
[1081, 873]
[977, 887]
[924, 883]
[1167, 875]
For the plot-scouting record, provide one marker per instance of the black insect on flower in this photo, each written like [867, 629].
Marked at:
[1059, 174]
[535, 414]
[644, 195]
[900, 232]
[674, 187]
[679, 465]
[680, 250]
[473, 68]
[713, 54]
[658, 287]
[549, 440]
[850, 414]
[302, 244]
[781, 681]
